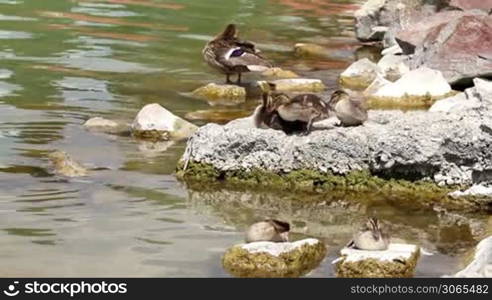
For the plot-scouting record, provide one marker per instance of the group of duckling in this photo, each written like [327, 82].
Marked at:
[230, 55]
[370, 236]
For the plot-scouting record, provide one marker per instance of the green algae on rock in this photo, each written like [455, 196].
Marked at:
[268, 259]
[64, 165]
[352, 186]
[399, 260]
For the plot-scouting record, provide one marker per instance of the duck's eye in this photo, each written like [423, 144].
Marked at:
[237, 52]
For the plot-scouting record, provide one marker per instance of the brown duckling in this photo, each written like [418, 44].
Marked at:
[370, 237]
[230, 55]
[296, 114]
[266, 115]
[350, 112]
[307, 108]
[269, 230]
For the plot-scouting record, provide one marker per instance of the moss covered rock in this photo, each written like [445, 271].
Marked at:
[268, 259]
[399, 260]
[279, 73]
[221, 92]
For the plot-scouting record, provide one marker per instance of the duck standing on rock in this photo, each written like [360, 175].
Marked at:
[370, 237]
[269, 230]
[279, 111]
[350, 112]
[229, 55]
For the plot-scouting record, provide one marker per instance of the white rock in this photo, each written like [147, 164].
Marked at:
[393, 66]
[457, 102]
[394, 252]
[481, 265]
[483, 89]
[276, 249]
[153, 117]
[362, 68]
[376, 84]
[475, 97]
[474, 190]
[418, 82]
[98, 124]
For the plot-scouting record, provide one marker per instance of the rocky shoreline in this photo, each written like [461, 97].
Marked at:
[425, 153]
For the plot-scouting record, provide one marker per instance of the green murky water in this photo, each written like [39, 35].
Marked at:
[62, 62]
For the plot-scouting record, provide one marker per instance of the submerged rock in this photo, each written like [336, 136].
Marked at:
[360, 74]
[399, 260]
[98, 124]
[481, 265]
[64, 165]
[220, 92]
[308, 49]
[157, 123]
[269, 259]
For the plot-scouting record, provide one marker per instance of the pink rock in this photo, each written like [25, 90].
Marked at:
[472, 4]
[460, 49]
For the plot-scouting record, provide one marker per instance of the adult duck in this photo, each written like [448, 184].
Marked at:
[230, 55]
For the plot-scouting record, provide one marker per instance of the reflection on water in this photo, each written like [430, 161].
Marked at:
[66, 61]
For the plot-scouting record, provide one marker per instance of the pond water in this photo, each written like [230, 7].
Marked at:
[63, 62]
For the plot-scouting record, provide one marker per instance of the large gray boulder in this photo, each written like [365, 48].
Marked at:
[445, 148]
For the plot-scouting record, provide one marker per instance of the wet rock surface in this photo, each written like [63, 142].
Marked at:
[269, 259]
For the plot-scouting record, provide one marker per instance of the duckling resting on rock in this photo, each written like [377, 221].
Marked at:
[269, 230]
[296, 114]
[229, 55]
[350, 111]
[370, 237]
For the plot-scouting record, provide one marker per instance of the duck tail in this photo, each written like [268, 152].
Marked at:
[230, 32]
